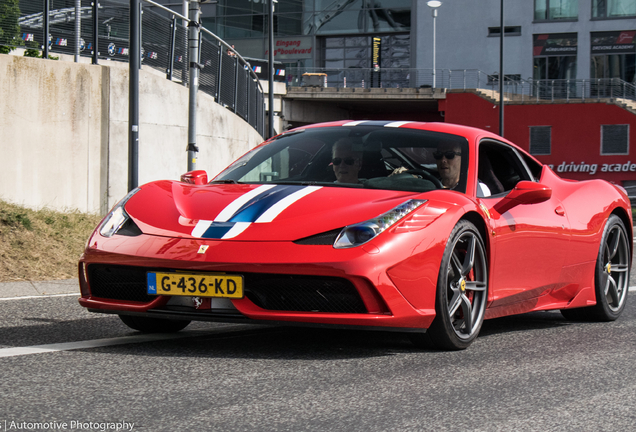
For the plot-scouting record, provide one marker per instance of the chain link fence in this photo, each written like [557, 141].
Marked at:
[100, 30]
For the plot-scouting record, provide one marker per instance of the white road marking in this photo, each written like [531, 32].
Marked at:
[96, 343]
[77, 294]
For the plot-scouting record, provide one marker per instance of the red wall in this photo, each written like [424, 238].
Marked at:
[576, 132]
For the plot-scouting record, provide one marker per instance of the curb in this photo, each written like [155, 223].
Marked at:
[38, 288]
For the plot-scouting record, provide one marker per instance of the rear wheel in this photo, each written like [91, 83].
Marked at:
[462, 292]
[153, 325]
[611, 277]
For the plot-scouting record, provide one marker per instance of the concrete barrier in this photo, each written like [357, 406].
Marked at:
[64, 133]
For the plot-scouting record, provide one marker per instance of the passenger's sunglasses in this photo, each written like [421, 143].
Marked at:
[438, 155]
[347, 160]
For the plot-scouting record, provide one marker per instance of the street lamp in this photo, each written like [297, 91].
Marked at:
[434, 4]
[501, 72]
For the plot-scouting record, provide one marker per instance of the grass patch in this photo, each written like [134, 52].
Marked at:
[41, 244]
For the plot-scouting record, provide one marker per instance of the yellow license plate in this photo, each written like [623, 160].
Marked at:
[198, 285]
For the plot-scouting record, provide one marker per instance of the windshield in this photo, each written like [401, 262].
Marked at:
[372, 157]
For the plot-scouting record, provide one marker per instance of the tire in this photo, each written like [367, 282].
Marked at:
[153, 325]
[462, 292]
[611, 277]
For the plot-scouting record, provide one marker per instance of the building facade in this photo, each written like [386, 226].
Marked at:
[544, 39]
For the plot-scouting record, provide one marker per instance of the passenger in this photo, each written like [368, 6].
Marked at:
[345, 161]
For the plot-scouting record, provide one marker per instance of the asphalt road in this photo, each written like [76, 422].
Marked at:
[534, 372]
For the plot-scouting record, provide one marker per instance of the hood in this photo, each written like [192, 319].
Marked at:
[247, 212]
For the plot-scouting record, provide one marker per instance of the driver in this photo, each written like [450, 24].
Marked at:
[449, 161]
[346, 162]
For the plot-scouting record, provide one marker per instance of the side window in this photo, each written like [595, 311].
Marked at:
[534, 167]
[500, 169]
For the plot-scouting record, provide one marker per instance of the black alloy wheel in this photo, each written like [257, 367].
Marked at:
[611, 278]
[462, 291]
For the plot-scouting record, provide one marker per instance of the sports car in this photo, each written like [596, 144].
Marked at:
[422, 228]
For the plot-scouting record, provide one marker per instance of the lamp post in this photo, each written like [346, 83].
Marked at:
[501, 72]
[194, 31]
[270, 65]
[434, 4]
[134, 65]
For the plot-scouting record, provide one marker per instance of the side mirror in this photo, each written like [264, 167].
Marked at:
[526, 192]
[198, 177]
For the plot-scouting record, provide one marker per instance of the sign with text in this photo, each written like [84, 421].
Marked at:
[554, 44]
[292, 48]
[615, 42]
[376, 59]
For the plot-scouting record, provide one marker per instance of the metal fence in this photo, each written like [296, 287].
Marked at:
[100, 30]
[514, 89]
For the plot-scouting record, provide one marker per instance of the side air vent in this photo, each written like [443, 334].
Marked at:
[326, 238]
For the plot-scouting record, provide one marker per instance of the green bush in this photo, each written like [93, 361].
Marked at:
[9, 27]
[15, 219]
[30, 52]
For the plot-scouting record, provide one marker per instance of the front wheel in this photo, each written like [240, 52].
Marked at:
[462, 291]
[611, 277]
[153, 325]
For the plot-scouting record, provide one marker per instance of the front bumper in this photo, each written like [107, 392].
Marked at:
[359, 293]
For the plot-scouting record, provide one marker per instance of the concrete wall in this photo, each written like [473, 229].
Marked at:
[64, 133]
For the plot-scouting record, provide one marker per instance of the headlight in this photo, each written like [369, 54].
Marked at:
[360, 233]
[117, 217]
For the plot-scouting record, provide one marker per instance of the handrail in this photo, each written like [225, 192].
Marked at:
[165, 9]
[104, 34]
[204, 30]
[452, 79]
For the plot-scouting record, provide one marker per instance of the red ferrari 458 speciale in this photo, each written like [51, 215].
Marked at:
[425, 228]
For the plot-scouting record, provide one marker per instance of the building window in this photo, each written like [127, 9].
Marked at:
[351, 57]
[350, 17]
[549, 10]
[555, 56]
[540, 140]
[613, 8]
[508, 31]
[614, 139]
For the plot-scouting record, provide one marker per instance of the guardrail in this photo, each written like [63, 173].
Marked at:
[578, 89]
[101, 32]
[514, 89]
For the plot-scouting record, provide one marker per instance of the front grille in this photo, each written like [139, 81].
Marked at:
[303, 293]
[272, 292]
[118, 283]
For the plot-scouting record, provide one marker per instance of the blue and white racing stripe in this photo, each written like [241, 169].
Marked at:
[376, 123]
[260, 205]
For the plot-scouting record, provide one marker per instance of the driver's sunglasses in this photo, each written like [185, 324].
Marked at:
[347, 160]
[438, 155]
